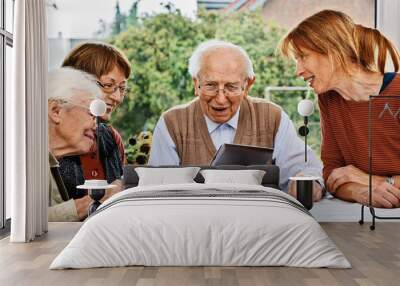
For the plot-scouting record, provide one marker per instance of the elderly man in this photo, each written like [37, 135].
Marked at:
[71, 131]
[223, 112]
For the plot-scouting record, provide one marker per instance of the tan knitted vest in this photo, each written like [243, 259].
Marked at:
[258, 123]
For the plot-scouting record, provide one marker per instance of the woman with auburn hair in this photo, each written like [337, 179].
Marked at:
[111, 69]
[345, 63]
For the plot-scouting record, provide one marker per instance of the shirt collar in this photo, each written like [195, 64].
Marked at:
[233, 122]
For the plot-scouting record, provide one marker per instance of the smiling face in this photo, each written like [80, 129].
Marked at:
[316, 69]
[113, 96]
[73, 127]
[226, 69]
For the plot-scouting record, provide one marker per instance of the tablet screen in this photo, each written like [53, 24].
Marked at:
[235, 154]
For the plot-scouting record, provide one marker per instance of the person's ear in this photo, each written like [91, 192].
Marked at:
[196, 86]
[54, 112]
[250, 82]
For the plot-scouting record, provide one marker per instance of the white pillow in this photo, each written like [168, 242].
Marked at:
[166, 176]
[248, 177]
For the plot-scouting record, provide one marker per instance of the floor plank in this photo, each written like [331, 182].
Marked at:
[374, 255]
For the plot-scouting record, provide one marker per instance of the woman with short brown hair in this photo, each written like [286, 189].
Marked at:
[112, 70]
[345, 63]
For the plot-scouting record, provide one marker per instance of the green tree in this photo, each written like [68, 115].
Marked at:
[159, 47]
[119, 20]
[132, 17]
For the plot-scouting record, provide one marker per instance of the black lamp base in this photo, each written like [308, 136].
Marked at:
[96, 196]
[305, 193]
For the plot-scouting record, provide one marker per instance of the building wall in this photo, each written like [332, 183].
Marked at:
[213, 4]
[289, 13]
[59, 48]
[389, 20]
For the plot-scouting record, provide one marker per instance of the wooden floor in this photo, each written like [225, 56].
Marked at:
[374, 255]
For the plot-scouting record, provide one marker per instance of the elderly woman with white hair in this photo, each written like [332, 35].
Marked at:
[223, 112]
[71, 129]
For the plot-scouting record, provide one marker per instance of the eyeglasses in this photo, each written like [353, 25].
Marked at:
[70, 104]
[229, 89]
[110, 88]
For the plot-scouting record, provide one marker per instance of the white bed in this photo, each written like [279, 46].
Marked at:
[225, 225]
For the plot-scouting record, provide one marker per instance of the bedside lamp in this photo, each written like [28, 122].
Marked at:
[96, 188]
[305, 108]
[304, 185]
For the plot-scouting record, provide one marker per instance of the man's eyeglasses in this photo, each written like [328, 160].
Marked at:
[229, 89]
[110, 88]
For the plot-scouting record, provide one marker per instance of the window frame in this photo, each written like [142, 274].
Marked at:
[6, 39]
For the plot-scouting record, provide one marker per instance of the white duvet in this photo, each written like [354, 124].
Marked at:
[207, 230]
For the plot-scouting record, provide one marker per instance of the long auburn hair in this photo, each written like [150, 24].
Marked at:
[334, 34]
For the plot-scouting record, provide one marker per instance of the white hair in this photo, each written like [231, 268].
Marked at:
[195, 60]
[64, 84]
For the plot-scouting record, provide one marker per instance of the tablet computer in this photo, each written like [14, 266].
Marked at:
[236, 154]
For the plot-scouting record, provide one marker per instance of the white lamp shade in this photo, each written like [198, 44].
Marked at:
[305, 107]
[98, 107]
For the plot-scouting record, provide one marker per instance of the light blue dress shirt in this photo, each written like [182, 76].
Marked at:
[288, 147]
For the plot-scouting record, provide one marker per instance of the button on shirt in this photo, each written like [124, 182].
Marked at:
[288, 147]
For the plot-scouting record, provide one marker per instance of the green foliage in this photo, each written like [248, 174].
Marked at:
[159, 47]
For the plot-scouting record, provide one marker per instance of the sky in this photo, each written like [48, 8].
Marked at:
[80, 18]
